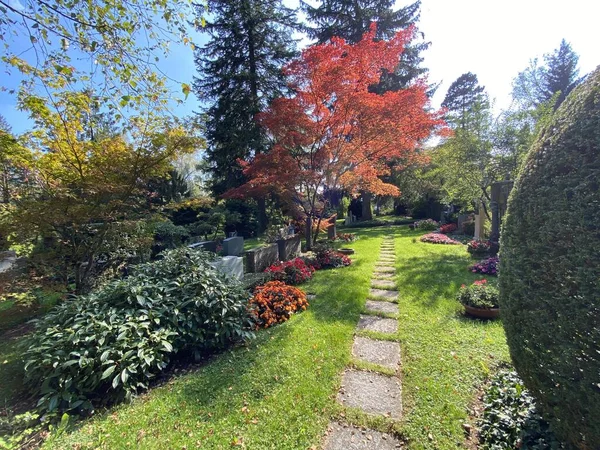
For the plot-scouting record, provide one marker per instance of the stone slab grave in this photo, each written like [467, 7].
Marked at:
[258, 259]
[383, 293]
[383, 283]
[232, 266]
[383, 353]
[378, 324]
[210, 246]
[347, 437]
[382, 307]
[233, 246]
[371, 392]
[289, 247]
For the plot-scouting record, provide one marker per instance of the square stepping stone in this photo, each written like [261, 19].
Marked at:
[386, 258]
[383, 283]
[347, 437]
[371, 392]
[378, 324]
[385, 266]
[383, 353]
[384, 307]
[384, 276]
[384, 270]
[384, 293]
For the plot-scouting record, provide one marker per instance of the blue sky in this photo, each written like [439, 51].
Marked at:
[494, 40]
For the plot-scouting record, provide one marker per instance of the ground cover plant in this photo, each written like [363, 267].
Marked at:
[438, 238]
[488, 266]
[106, 346]
[511, 418]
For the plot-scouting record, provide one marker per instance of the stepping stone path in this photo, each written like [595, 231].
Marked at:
[372, 392]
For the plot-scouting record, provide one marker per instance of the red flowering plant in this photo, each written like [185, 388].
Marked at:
[478, 247]
[488, 266]
[275, 302]
[294, 271]
[480, 294]
[345, 237]
[330, 259]
[448, 228]
[438, 238]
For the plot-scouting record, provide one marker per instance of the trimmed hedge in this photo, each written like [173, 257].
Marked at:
[550, 266]
[106, 346]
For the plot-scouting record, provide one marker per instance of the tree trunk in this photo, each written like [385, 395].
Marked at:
[308, 233]
[367, 213]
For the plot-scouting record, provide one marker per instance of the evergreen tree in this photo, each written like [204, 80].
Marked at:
[465, 97]
[350, 19]
[538, 84]
[239, 74]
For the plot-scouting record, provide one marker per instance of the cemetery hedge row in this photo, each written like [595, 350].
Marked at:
[550, 264]
[103, 347]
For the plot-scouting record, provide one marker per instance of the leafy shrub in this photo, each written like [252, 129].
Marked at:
[380, 223]
[437, 238]
[488, 266]
[108, 345]
[478, 247]
[478, 295]
[170, 235]
[448, 228]
[511, 418]
[274, 302]
[550, 294]
[294, 271]
[345, 237]
[426, 225]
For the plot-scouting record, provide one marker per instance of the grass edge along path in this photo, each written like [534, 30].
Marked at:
[278, 392]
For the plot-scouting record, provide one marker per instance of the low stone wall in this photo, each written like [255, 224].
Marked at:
[258, 259]
[289, 248]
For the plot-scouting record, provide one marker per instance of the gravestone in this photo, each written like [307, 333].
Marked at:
[258, 259]
[233, 246]
[331, 232]
[232, 266]
[479, 223]
[210, 246]
[289, 248]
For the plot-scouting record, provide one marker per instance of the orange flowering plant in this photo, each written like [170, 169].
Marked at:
[274, 302]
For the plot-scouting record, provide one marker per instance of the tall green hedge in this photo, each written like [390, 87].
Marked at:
[550, 268]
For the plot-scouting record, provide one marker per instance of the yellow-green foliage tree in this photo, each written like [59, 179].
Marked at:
[88, 192]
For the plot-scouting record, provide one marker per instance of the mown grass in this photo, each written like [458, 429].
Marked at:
[445, 355]
[276, 393]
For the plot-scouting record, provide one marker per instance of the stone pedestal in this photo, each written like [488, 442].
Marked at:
[233, 246]
[479, 224]
[232, 266]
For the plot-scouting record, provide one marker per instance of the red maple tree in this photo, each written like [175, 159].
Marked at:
[332, 132]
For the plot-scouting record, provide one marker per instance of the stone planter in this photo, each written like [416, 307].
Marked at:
[482, 313]
[289, 248]
[346, 251]
[258, 259]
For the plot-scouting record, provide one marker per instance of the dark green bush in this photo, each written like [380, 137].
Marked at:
[379, 223]
[550, 266]
[106, 346]
[511, 418]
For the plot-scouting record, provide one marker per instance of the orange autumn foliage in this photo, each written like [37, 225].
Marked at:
[274, 302]
[333, 132]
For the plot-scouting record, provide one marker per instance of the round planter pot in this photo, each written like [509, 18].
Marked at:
[482, 313]
[346, 251]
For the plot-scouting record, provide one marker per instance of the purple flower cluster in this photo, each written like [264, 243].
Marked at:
[488, 266]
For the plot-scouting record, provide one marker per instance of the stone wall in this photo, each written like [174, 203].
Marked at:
[258, 259]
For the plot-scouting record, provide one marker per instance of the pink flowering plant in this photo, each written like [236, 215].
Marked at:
[438, 238]
[478, 247]
[488, 266]
[294, 271]
[480, 294]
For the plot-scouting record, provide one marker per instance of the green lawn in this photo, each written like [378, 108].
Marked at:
[279, 391]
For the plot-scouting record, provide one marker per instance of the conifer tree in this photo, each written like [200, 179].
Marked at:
[239, 73]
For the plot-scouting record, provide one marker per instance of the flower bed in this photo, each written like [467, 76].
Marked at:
[438, 238]
[274, 302]
[488, 266]
[331, 259]
[294, 271]
[448, 228]
[345, 237]
[426, 225]
[478, 247]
